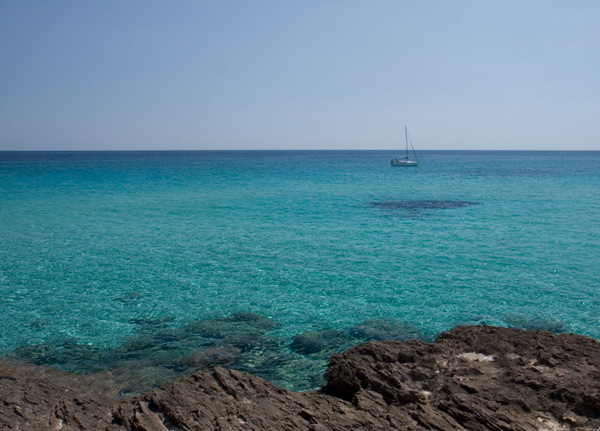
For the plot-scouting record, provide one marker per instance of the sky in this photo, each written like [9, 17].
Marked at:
[299, 74]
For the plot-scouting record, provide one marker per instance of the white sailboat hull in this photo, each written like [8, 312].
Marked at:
[401, 162]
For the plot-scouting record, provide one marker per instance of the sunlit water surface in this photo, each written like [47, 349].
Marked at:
[143, 266]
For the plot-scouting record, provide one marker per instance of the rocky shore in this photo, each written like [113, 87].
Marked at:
[470, 378]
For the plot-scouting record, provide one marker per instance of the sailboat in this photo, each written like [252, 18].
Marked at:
[405, 161]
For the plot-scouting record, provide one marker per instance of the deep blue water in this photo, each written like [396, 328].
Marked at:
[143, 266]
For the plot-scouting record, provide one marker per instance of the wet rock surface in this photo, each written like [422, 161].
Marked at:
[470, 378]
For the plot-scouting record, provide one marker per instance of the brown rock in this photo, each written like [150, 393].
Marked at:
[35, 398]
[471, 378]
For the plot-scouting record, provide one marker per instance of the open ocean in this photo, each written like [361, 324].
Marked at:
[141, 267]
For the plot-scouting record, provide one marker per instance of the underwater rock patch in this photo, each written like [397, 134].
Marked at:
[129, 297]
[311, 342]
[222, 355]
[152, 322]
[385, 329]
[518, 321]
[67, 354]
[421, 205]
[235, 341]
[236, 324]
[325, 342]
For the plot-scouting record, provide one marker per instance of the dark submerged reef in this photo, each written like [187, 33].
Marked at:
[416, 209]
[421, 205]
[240, 341]
[519, 321]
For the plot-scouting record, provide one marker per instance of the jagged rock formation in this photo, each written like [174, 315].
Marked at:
[35, 398]
[471, 378]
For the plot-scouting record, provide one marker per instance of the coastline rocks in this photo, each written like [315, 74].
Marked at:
[37, 398]
[478, 378]
[470, 378]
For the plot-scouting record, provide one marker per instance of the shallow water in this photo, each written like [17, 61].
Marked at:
[111, 261]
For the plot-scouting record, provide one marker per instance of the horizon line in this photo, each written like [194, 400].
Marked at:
[288, 149]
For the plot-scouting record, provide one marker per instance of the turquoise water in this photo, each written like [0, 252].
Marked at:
[148, 265]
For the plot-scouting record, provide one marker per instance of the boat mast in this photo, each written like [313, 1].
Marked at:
[406, 139]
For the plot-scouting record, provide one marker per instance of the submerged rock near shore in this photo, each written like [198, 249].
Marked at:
[470, 378]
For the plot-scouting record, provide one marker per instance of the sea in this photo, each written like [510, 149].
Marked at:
[141, 267]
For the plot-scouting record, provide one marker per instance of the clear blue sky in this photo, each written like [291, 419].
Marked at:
[306, 74]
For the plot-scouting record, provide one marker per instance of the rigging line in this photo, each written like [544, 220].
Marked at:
[411, 145]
